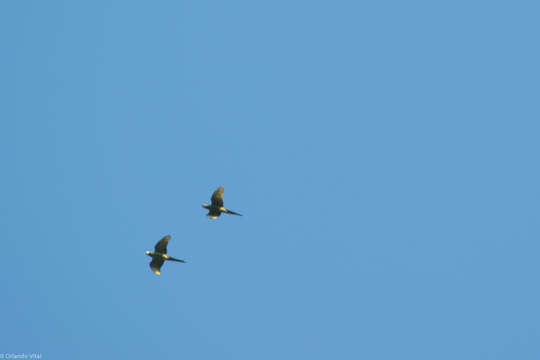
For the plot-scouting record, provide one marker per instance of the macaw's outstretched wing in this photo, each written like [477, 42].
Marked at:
[217, 197]
[156, 264]
[161, 246]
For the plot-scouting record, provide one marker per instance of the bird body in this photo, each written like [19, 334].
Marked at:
[216, 207]
[159, 256]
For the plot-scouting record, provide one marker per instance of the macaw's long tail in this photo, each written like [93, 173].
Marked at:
[175, 259]
[230, 212]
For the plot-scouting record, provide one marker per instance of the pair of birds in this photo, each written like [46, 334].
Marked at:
[159, 255]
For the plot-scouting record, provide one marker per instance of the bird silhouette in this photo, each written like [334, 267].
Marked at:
[159, 255]
[216, 207]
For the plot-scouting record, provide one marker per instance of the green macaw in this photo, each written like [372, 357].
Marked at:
[160, 255]
[216, 208]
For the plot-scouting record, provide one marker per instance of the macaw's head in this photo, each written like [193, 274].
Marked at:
[148, 253]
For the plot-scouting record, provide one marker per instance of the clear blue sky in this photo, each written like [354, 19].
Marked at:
[384, 154]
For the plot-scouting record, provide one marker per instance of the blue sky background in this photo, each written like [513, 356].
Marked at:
[384, 153]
